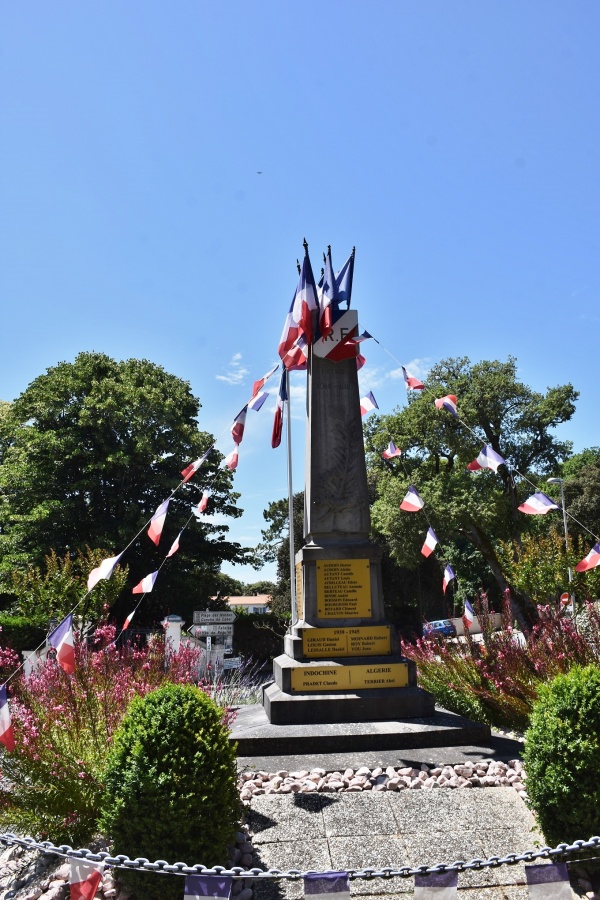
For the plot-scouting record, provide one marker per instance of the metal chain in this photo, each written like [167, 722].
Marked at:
[179, 868]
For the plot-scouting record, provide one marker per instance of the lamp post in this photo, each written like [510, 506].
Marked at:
[564, 512]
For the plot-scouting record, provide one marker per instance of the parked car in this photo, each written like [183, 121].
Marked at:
[442, 627]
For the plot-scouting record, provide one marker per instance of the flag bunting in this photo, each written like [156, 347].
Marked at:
[239, 423]
[278, 419]
[391, 451]
[487, 459]
[174, 545]
[61, 638]
[591, 560]
[412, 383]
[368, 403]
[103, 571]
[157, 522]
[258, 400]
[468, 615]
[448, 576]
[538, 505]
[231, 460]
[430, 544]
[203, 502]
[193, 467]
[449, 403]
[146, 584]
[260, 383]
[6, 729]
[412, 502]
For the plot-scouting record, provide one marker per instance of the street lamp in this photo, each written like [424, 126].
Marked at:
[564, 512]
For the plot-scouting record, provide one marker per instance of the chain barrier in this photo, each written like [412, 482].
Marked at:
[122, 861]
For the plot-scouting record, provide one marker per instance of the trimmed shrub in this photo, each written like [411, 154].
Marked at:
[171, 786]
[562, 748]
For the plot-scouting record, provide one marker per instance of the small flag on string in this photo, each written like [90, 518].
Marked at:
[296, 359]
[127, 621]
[204, 502]
[258, 385]
[6, 729]
[146, 584]
[430, 544]
[548, 882]
[174, 545]
[278, 419]
[591, 560]
[468, 615]
[448, 576]
[538, 505]
[194, 466]
[360, 361]
[449, 403]
[487, 459]
[344, 279]
[231, 460]
[437, 886]
[103, 571]
[85, 878]
[412, 383]
[326, 886]
[391, 452]
[239, 423]
[368, 403]
[157, 522]
[412, 502]
[197, 886]
[61, 638]
[328, 297]
[364, 336]
[257, 400]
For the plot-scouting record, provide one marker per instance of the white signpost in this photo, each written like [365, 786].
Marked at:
[212, 628]
[206, 616]
[232, 662]
[216, 628]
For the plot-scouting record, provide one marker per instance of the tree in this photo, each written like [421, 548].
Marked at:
[275, 546]
[469, 512]
[87, 453]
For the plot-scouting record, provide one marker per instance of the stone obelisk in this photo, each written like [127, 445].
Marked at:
[341, 661]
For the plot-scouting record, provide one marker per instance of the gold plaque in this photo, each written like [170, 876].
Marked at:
[321, 643]
[349, 678]
[299, 595]
[343, 589]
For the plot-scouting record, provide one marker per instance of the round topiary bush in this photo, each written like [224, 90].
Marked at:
[171, 786]
[562, 749]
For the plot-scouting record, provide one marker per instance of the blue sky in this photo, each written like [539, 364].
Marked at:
[454, 144]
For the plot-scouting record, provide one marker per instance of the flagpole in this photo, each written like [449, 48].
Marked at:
[291, 502]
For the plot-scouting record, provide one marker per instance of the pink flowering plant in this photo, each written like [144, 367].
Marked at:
[496, 680]
[63, 725]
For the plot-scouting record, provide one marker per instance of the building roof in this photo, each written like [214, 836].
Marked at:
[252, 600]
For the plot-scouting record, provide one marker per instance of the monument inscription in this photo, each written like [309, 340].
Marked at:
[344, 678]
[343, 589]
[321, 643]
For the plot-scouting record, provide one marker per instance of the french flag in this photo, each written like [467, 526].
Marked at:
[591, 560]
[278, 420]
[103, 571]
[364, 336]
[296, 358]
[449, 403]
[430, 544]
[146, 584]
[174, 545]
[193, 467]
[203, 502]
[157, 522]
[412, 502]
[61, 638]
[412, 383]
[391, 451]
[257, 400]
[127, 621]
[326, 886]
[344, 279]
[6, 729]
[231, 460]
[436, 886]
[360, 361]
[259, 385]
[198, 886]
[368, 403]
[538, 505]
[328, 298]
[468, 615]
[487, 459]
[299, 317]
[448, 576]
[85, 878]
[239, 423]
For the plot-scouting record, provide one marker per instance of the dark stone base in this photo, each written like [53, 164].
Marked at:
[257, 737]
[385, 704]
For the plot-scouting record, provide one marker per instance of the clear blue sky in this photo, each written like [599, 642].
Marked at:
[454, 144]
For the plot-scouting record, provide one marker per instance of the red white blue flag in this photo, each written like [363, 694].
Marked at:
[430, 544]
[103, 571]
[278, 419]
[391, 451]
[200, 886]
[487, 459]
[239, 423]
[6, 729]
[157, 522]
[412, 502]
[549, 881]
[193, 467]
[85, 878]
[174, 545]
[436, 886]
[146, 584]
[127, 621]
[412, 383]
[326, 886]
[448, 576]
[343, 280]
[61, 638]
[231, 460]
[449, 403]
[367, 404]
[257, 400]
[591, 560]
[259, 385]
[296, 358]
[203, 502]
[538, 505]
[299, 318]
[328, 297]
[360, 361]
[468, 615]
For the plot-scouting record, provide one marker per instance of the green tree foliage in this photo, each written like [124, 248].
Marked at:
[275, 546]
[88, 451]
[470, 512]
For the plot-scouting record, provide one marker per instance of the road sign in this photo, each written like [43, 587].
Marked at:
[232, 662]
[565, 598]
[206, 616]
[217, 628]
[208, 644]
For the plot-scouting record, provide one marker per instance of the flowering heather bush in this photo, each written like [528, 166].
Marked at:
[497, 680]
[64, 726]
